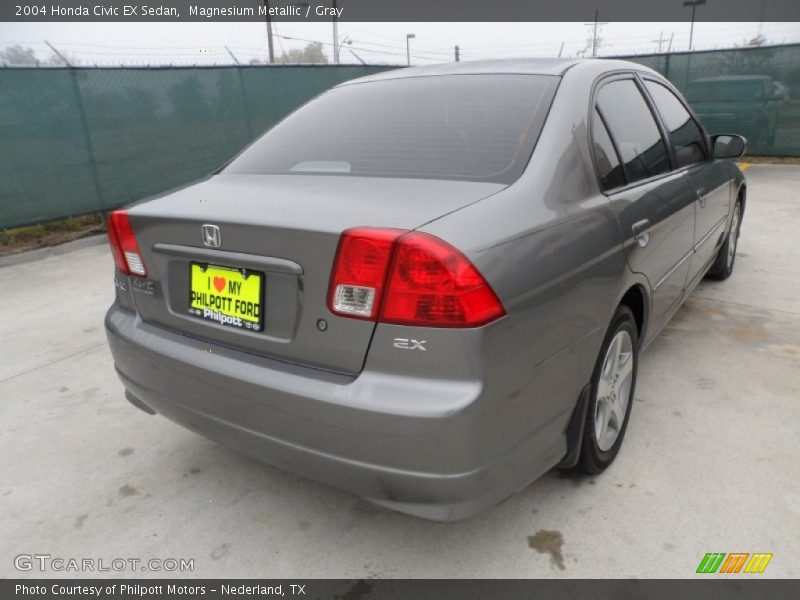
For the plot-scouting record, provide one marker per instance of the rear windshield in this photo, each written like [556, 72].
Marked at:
[472, 127]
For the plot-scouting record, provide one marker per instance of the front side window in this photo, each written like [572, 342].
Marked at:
[685, 135]
[469, 127]
[634, 130]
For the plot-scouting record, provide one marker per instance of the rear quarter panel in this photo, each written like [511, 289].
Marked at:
[551, 248]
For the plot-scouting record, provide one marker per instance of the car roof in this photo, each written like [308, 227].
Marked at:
[525, 66]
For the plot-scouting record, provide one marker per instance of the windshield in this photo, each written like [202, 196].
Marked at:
[473, 127]
[725, 91]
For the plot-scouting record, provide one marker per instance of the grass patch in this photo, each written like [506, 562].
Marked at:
[51, 233]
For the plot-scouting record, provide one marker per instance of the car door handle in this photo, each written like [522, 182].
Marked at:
[702, 197]
[641, 232]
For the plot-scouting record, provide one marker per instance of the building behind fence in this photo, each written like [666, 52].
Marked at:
[80, 140]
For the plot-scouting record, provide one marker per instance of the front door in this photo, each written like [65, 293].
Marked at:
[707, 178]
[712, 186]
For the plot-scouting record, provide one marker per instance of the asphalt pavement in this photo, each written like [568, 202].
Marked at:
[709, 464]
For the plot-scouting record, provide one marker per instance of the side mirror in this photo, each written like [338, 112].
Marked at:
[728, 145]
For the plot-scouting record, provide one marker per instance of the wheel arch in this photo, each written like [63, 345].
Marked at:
[637, 299]
[741, 195]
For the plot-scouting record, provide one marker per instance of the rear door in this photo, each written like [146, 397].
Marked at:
[707, 179]
[653, 203]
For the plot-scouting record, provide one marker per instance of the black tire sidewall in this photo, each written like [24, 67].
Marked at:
[720, 270]
[595, 459]
[737, 209]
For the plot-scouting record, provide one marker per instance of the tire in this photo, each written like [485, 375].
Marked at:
[605, 427]
[726, 257]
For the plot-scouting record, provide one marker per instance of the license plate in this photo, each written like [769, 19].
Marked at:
[227, 296]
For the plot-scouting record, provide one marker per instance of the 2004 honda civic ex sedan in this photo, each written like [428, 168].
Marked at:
[429, 286]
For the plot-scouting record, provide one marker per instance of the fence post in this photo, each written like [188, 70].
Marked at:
[245, 105]
[87, 138]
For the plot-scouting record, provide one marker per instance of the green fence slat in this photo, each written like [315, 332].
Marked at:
[74, 141]
[753, 91]
[87, 139]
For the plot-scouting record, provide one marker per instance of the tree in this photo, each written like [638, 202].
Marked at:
[17, 55]
[57, 61]
[757, 60]
[759, 40]
[312, 53]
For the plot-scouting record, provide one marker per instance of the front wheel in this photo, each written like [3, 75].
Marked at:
[613, 386]
[723, 265]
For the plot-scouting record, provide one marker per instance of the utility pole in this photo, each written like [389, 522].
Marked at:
[694, 4]
[271, 50]
[761, 21]
[671, 37]
[335, 36]
[409, 36]
[560, 50]
[458, 56]
[595, 25]
[660, 40]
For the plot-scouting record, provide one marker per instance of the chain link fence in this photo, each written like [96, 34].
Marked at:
[81, 140]
[752, 91]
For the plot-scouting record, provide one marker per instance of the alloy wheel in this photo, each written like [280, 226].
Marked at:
[613, 391]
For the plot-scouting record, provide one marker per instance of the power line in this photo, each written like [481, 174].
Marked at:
[416, 55]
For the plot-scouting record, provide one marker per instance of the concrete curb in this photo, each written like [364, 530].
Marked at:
[42, 253]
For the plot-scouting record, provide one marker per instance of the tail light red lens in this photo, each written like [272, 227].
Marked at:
[124, 247]
[409, 279]
[433, 284]
[359, 271]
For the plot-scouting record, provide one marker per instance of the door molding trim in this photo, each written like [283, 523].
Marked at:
[711, 232]
[673, 268]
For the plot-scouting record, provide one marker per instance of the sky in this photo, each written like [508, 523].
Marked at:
[374, 43]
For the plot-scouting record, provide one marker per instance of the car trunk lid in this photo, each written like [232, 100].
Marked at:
[286, 228]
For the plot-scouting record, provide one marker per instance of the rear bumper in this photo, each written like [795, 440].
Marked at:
[438, 455]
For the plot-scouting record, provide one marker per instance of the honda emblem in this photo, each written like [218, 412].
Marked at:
[211, 236]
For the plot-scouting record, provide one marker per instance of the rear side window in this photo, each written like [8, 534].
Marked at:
[608, 165]
[634, 130]
[684, 133]
[473, 127]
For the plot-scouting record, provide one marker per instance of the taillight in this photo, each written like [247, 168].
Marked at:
[411, 278]
[433, 284]
[359, 271]
[123, 244]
